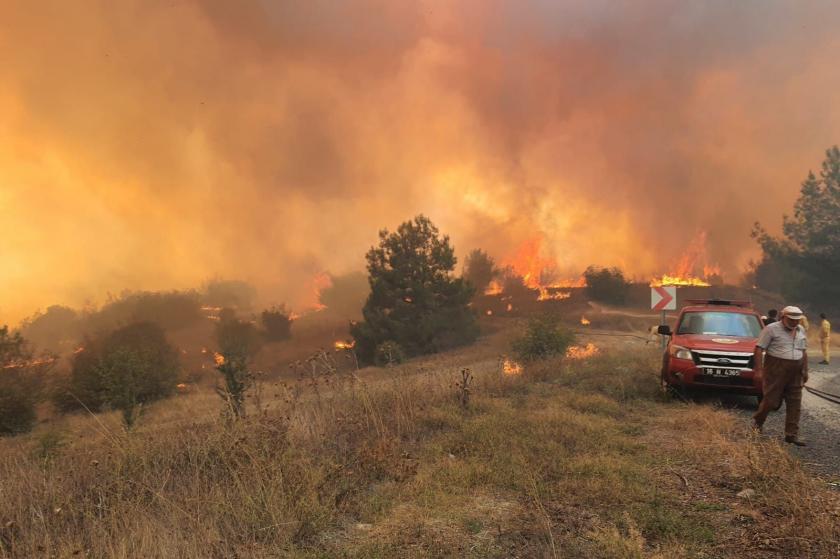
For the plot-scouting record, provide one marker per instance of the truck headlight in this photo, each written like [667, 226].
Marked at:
[681, 352]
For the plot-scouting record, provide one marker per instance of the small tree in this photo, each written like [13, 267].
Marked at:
[606, 285]
[122, 370]
[514, 285]
[238, 342]
[479, 269]
[414, 300]
[276, 323]
[20, 382]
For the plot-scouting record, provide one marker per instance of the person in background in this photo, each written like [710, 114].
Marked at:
[784, 370]
[772, 316]
[825, 339]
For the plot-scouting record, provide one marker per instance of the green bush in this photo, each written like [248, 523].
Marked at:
[238, 342]
[128, 367]
[414, 300]
[606, 285]
[479, 269]
[544, 337]
[20, 382]
[389, 353]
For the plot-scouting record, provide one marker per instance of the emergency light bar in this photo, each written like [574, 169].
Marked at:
[720, 302]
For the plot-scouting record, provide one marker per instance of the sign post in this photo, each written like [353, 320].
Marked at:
[663, 298]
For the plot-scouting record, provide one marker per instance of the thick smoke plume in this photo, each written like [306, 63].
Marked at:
[154, 144]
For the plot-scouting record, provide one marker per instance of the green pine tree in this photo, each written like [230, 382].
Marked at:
[807, 256]
[414, 302]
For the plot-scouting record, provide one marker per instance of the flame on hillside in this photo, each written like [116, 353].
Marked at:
[342, 345]
[582, 352]
[31, 363]
[693, 268]
[539, 271]
[511, 367]
[218, 358]
[585, 321]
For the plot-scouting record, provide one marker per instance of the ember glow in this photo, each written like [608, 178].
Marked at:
[342, 345]
[582, 352]
[585, 321]
[270, 141]
[218, 359]
[511, 367]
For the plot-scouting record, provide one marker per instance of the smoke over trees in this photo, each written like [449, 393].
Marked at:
[153, 156]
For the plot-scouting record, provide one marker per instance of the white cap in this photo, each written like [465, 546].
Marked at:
[794, 313]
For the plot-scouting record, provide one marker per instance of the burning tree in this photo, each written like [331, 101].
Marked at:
[414, 300]
[806, 259]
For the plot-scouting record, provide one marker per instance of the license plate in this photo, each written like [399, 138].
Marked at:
[723, 372]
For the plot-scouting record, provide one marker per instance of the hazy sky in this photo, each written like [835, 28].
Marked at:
[148, 144]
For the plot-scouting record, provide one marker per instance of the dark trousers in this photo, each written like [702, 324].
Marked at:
[782, 380]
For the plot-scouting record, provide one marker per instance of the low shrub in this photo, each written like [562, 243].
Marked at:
[130, 366]
[276, 323]
[20, 383]
[544, 337]
[389, 353]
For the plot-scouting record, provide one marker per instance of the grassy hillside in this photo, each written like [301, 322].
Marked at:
[570, 458]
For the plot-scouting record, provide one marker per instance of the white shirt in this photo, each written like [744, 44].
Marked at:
[781, 343]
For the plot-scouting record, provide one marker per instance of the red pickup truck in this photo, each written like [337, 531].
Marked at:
[712, 347]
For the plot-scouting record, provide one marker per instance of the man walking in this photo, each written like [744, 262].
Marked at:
[784, 369]
[825, 339]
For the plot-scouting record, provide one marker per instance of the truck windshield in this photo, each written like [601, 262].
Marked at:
[720, 324]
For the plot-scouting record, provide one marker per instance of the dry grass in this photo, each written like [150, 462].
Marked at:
[580, 459]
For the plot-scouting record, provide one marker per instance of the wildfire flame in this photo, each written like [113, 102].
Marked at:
[32, 363]
[685, 273]
[489, 312]
[509, 307]
[510, 367]
[495, 288]
[585, 321]
[339, 345]
[218, 358]
[582, 352]
[546, 295]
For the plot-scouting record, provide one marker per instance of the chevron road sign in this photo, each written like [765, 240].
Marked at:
[663, 298]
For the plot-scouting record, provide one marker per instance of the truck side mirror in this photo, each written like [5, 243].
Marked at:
[664, 330]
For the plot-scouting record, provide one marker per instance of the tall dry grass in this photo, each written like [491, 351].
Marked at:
[566, 459]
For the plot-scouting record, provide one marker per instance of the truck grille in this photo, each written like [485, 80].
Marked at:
[739, 360]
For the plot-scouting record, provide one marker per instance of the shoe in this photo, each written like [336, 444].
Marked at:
[792, 439]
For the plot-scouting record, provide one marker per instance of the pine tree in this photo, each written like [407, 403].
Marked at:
[414, 302]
